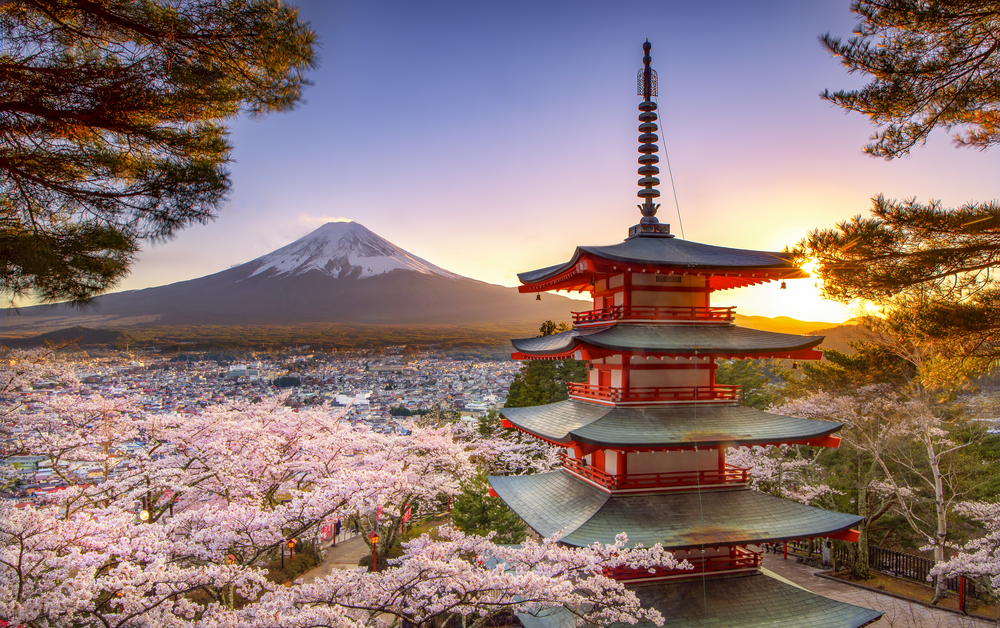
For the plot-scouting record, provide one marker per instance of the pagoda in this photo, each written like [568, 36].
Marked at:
[644, 439]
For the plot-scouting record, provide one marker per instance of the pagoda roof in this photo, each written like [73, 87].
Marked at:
[584, 514]
[745, 601]
[720, 340]
[668, 255]
[706, 425]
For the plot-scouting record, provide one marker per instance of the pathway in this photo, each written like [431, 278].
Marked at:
[345, 555]
[898, 613]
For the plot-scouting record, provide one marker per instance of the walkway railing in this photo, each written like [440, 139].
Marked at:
[655, 394]
[654, 313]
[900, 565]
[730, 475]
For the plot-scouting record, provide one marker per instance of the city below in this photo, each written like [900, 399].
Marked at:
[380, 389]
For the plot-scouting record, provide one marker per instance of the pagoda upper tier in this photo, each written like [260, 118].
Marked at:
[722, 267]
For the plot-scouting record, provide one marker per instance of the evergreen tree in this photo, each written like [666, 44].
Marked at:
[756, 377]
[111, 119]
[933, 64]
[841, 373]
[475, 511]
[544, 381]
[929, 269]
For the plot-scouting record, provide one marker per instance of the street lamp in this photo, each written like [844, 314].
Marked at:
[374, 537]
[291, 548]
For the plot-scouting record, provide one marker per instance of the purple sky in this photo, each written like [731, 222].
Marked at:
[492, 138]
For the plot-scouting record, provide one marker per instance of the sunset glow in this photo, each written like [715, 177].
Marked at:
[494, 139]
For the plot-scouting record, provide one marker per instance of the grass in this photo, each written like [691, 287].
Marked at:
[919, 593]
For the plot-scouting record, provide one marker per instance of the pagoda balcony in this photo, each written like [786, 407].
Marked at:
[652, 313]
[642, 482]
[739, 559]
[654, 394]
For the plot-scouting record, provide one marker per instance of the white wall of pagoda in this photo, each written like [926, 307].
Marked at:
[652, 289]
[654, 371]
[673, 461]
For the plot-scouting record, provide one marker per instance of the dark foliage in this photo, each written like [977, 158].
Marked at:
[111, 125]
[932, 64]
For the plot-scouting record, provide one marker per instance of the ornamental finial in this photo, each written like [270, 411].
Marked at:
[646, 87]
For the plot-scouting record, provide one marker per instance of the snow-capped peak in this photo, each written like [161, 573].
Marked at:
[342, 250]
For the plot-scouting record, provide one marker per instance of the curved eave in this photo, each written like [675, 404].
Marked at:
[559, 502]
[591, 425]
[728, 268]
[745, 601]
[717, 340]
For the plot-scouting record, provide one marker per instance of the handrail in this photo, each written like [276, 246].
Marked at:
[675, 479]
[742, 560]
[654, 313]
[655, 393]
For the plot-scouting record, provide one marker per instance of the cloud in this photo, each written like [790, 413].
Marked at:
[321, 220]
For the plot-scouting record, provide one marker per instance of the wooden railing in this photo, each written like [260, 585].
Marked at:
[651, 481]
[655, 394]
[739, 560]
[654, 313]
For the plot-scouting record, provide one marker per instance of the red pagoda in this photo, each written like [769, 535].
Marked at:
[645, 438]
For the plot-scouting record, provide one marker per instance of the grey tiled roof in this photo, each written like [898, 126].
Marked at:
[669, 252]
[745, 601]
[550, 502]
[715, 339]
[682, 425]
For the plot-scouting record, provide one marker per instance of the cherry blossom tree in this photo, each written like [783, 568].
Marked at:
[20, 368]
[978, 558]
[172, 521]
[865, 414]
[503, 451]
[783, 471]
[909, 457]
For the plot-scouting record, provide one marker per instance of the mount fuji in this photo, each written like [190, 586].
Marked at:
[339, 273]
[344, 250]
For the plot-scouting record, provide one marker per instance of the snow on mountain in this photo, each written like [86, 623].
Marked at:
[343, 250]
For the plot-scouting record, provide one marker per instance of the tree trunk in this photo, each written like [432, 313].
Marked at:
[940, 586]
[859, 558]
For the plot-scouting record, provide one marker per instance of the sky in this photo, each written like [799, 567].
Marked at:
[493, 138]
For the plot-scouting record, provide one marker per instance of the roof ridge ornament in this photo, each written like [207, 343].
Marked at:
[646, 83]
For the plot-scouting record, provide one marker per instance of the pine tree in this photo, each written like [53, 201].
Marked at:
[475, 511]
[111, 125]
[933, 64]
[930, 270]
[544, 381]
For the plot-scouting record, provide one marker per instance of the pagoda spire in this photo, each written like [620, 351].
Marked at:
[648, 159]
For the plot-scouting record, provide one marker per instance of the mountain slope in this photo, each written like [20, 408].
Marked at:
[341, 272]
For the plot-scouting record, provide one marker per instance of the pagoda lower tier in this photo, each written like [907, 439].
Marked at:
[678, 520]
[748, 600]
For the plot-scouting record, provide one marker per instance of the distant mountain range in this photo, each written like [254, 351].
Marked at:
[339, 273]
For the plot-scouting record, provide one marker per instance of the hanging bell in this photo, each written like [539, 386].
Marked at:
[538, 297]
[783, 286]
